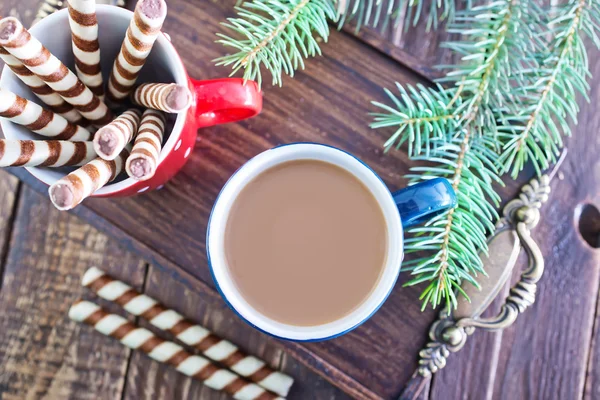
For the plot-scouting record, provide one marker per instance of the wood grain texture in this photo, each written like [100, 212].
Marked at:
[42, 353]
[9, 186]
[543, 356]
[413, 45]
[148, 379]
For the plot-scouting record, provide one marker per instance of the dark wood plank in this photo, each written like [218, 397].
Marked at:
[545, 354]
[9, 186]
[592, 382]
[459, 378]
[149, 379]
[411, 45]
[42, 352]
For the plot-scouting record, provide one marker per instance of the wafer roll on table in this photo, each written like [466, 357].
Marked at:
[186, 331]
[141, 164]
[44, 92]
[39, 120]
[28, 50]
[163, 351]
[112, 138]
[68, 192]
[167, 97]
[45, 153]
[143, 30]
[86, 48]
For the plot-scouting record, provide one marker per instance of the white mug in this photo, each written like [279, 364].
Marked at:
[405, 207]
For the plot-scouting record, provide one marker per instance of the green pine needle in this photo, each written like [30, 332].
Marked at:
[276, 34]
[280, 34]
[549, 90]
[449, 243]
[423, 117]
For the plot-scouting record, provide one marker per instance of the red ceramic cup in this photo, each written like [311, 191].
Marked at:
[215, 101]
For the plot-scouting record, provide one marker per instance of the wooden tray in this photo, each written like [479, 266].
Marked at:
[329, 102]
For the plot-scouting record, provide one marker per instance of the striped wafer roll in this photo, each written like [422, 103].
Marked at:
[188, 332]
[86, 48]
[112, 138]
[163, 351]
[27, 49]
[167, 97]
[143, 30]
[44, 92]
[45, 153]
[68, 192]
[41, 121]
[141, 164]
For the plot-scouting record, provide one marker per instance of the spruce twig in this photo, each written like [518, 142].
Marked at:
[549, 89]
[276, 34]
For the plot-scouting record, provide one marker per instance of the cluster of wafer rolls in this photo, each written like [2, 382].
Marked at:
[186, 331]
[232, 371]
[78, 127]
[143, 30]
[164, 351]
[17, 40]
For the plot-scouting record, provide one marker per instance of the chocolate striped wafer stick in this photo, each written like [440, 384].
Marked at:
[86, 48]
[44, 92]
[188, 332]
[143, 30]
[41, 121]
[163, 351]
[141, 164]
[68, 192]
[112, 138]
[27, 49]
[167, 97]
[45, 153]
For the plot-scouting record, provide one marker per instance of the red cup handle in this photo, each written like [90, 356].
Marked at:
[220, 101]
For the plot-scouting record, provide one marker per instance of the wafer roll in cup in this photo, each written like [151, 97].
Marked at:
[45, 153]
[163, 351]
[86, 48]
[68, 192]
[112, 138]
[193, 335]
[44, 92]
[141, 164]
[41, 121]
[167, 97]
[28, 50]
[143, 30]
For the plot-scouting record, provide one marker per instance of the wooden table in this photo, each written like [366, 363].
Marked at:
[550, 352]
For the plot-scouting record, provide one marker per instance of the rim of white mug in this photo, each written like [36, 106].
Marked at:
[173, 60]
[218, 221]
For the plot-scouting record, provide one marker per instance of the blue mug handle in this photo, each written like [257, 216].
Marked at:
[422, 201]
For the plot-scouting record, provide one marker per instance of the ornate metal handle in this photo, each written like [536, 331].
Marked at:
[522, 295]
[449, 333]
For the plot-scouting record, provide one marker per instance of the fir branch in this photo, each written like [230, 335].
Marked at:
[278, 34]
[550, 89]
[451, 241]
[492, 37]
[426, 114]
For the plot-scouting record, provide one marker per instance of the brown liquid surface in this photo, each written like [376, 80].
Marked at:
[305, 242]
